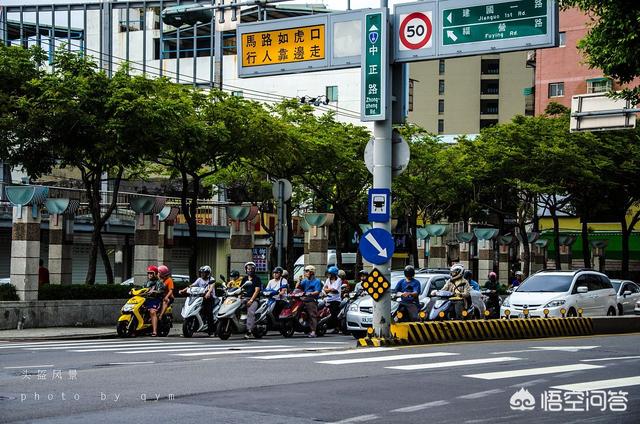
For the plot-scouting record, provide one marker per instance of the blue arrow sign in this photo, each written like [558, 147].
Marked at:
[377, 246]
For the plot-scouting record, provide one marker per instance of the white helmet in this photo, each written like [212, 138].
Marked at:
[456, 272]
[205, 268]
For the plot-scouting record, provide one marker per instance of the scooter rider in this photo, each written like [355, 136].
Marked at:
[493, 285]
[409, 290]
[331, 289]
[235, 280]
[161, 293]
[459, 287]
[312, 288]
[251, 293]
[278, 284]
[205, 281]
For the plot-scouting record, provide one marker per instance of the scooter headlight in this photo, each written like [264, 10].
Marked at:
[128, 307]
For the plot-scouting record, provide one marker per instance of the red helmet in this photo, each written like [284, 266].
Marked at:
[152, 268]
[163, 271]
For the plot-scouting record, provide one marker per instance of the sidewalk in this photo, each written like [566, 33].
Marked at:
[55, 333]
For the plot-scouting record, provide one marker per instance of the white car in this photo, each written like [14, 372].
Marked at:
[628, 295]
[6, 280]
[637, 308]
[555, 291]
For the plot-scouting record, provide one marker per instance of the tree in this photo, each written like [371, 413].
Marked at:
[76, 116]
[206, 134]
[612, 43]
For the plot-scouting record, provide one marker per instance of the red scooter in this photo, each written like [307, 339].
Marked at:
[293, 317]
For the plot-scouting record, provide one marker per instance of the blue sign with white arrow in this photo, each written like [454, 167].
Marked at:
[377, 246]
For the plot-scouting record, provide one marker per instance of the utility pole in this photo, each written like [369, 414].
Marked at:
[382, 152]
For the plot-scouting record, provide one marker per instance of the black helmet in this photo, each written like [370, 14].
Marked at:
[234, 274]
[409, 271]
[278, 269]
[468, 274]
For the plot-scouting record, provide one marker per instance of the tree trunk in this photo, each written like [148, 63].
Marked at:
[413, 239]
[526, 254]
[586, 253]
[193, 230]
[338, 229]
[289, 251]
[93, 257]
[105, 259]
[556, 235]
[625, 246]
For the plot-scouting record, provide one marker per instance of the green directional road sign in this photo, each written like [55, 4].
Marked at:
[374, 67]
[479, 26]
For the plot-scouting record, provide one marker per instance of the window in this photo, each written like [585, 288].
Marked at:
[332, 93]
[440, 106]
[440, 126]
[598, 85]
[441, 66]
[556, 89]
[562, 39]
[237, 94]
[489, 106]
[490, 87]
[441, 87]
[632, 288]
[135, 19]
[490, 66]
[485, 123]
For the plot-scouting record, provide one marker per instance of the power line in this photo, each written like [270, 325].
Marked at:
[270, 97]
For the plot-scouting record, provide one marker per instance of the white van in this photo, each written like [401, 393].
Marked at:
[348, 264]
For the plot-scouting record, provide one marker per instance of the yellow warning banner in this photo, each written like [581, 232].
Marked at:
[288, 45]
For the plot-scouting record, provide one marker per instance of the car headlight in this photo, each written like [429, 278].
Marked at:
[353, 308]
[554, 304]
[506, 303]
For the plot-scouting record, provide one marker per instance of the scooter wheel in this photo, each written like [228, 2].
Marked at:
[126, 328]
[321, 329]
[188, 327]
[164, 327]
[224, 330]
[287, 329]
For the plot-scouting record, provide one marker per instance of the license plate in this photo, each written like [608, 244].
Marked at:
[367, 320]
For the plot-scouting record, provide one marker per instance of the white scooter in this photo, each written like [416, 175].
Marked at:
[193, 317]
[232, 315]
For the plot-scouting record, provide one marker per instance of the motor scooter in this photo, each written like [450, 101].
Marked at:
[232, 315]
[492, 303]
[266, 319]
[194, 319]
[294, 318]
[443, 306]
[135, 318]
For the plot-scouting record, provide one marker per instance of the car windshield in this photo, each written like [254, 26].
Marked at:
[546, 283]
[616, 285]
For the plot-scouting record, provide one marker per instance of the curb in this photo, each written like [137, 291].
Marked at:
[380, 342]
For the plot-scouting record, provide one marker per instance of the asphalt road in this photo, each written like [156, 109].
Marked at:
[303, 380]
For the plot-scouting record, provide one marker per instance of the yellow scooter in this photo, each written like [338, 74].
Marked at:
[135, 318]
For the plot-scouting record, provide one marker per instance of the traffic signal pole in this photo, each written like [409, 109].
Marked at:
[382, 152]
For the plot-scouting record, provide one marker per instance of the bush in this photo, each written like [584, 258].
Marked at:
[83, 291]
[8, 293]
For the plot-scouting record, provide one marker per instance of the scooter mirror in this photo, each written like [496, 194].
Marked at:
[222, 278]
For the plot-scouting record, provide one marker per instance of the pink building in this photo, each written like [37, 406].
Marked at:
[561, 72]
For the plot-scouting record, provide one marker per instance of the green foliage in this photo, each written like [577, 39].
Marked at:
[8, 293]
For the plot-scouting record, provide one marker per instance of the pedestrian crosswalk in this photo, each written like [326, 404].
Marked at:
[567, 373]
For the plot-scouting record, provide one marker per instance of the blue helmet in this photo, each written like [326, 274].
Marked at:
[333, 270]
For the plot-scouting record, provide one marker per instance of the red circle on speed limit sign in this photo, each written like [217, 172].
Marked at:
[415, 30]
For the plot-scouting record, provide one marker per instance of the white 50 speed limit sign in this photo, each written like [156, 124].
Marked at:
[415, 31]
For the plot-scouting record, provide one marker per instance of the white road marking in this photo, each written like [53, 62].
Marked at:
[533, 371]
[387, 358]
[231, 352]
[564, 348]
[529, 383]
[619, 358]
[510, 352]
[600, 384]
[444, 365]
[248, 349]
[71, 344]
[131, 363]
[358, 419]
[479, 395]
[311, 355]
[422, 406]
[99, 348]
[27, 366]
